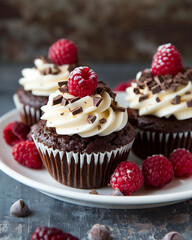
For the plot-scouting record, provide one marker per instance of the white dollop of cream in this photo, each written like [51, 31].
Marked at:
[42, 85]
[164, 108]
[66, 123]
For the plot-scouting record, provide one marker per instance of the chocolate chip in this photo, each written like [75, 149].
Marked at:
[143, 97]
[174, 86]
[173, 236]
[93, 191]
[117, 192]
[97, 101]
[19, 209]
[64, 102]
[57, 99]
[136, 90]
[99, 232]
[77, 110]
[60, 84]
[155, 89]
[189, 103]
[91, 118]
[158, 99]
[176, 100]
[103, 120]
[72, 100]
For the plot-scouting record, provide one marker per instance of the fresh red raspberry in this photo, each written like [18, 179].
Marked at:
[157, 171]
[181, 160]
[51, 233]
[166, 60]
[127, 177]
[82, 82]
[121, 87]
[27, 154]
[15, 132]
[62, 52]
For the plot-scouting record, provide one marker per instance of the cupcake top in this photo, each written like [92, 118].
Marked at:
[162, 95]
[43, 78]
[71, 112]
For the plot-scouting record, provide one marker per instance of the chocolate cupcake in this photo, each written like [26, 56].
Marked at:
[81, 140]
[160, 108]
[38, 83]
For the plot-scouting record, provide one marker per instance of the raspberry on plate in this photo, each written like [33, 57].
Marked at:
[15, 132]
[157, 171]
[62, 52]
[27, 154]
[127, 177]
[166, 60]
[181, 160]
[82, 82]
[51, 233]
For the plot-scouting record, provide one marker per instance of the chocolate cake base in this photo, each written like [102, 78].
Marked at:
[159, 135]
[82, 162]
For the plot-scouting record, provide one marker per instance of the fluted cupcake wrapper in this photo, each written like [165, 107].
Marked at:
[28, 115]
[82, 170]
[148, 143]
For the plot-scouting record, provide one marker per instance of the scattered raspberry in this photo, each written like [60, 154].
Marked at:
[166, 60]
[127, 177]
[157, 171]
[63, 51]
[82, 82]
[121, 87]
[181, 160]
[15, 132]
[27, 154]
[47, 233]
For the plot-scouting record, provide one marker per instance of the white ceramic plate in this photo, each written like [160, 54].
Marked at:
[177, 190]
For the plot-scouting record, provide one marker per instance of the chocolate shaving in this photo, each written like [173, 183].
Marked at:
[72, 100]
[60, 84]
[77, 110]
[143, 97]
[63, 89]
[176, 100]
[136, 90]
[99, 127]
[91, 119]
[57, 99]
[103, 120]
[62, 113]
[64, 102]
[155, 89]
[189, 103]
[174, 86]
[97, 101]
[55, 70]
[188, 93]
[158, 99]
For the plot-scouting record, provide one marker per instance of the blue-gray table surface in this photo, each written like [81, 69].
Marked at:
[144, 224]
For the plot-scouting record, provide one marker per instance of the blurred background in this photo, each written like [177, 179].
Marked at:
[117, 38]
[104, 30]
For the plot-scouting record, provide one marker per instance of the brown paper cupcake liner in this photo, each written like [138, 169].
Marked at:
[148, 143]
[82, 170]
[27, 114]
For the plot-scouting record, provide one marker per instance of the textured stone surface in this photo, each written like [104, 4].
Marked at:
[109, 30]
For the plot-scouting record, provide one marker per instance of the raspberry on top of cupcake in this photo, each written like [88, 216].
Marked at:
[84, 107]
[165, 89]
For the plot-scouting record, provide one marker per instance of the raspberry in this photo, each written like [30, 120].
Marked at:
[62, 52]
[127, 177]
[122, 86]
[166, 60]
[47, 233]
[82, 82]
[181, 160]
[157, 171]
[27, 154]
[15, 132]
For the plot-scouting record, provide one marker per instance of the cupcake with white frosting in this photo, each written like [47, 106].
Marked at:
[38, 82]
[160, 106]
[84, 133]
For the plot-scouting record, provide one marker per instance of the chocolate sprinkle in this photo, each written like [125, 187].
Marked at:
[143, 97]
[103, 120]
[97, 101]
[91, 119]
[189, 103]
[77, 110]
[176, 100]
[57, 99]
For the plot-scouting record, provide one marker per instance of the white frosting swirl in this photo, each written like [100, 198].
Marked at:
[62, 119]
[42, 85]
[164, 108]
